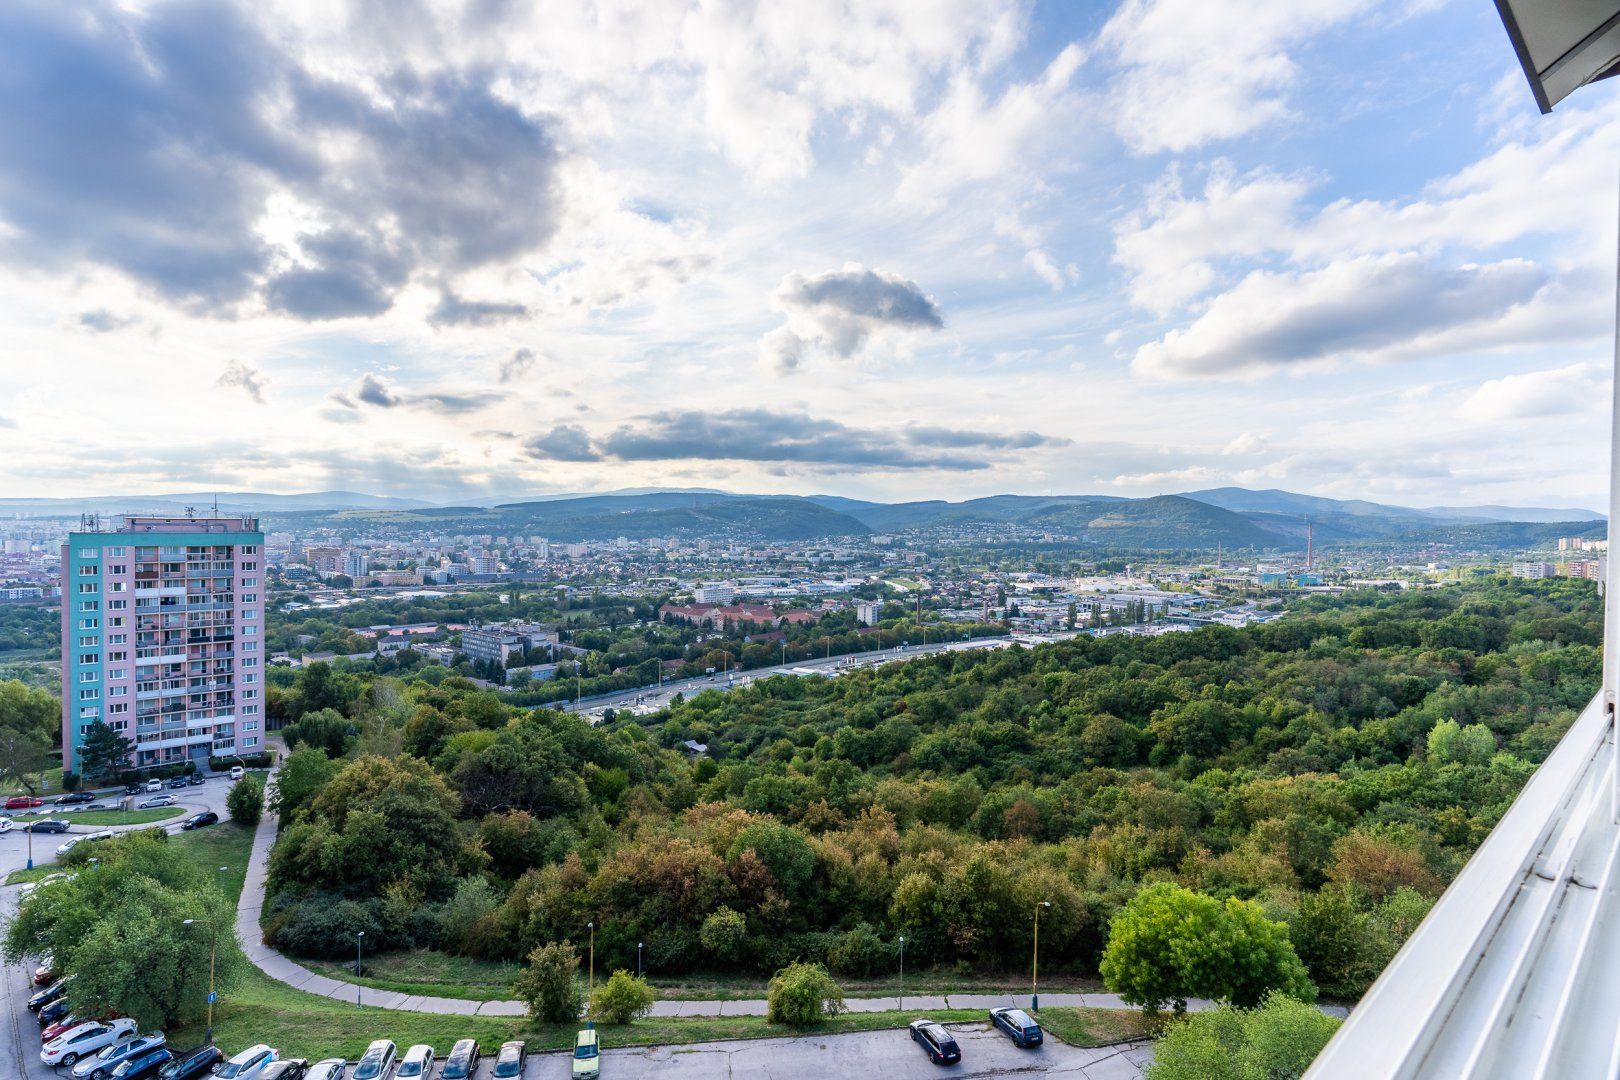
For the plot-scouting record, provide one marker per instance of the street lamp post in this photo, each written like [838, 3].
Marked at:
[1035, 959]
[902, 973]
[638, 959]
[359, 940]
[590, 977]
[213, 953]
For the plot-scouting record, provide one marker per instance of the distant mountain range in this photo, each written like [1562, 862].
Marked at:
[1235, 518]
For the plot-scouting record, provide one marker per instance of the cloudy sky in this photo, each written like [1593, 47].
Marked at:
[905, 249]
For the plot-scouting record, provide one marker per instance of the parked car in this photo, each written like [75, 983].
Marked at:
[511, 1059]
[5, 824]
[462, 1062]
[54, 1014]
[286, 1069]
[134, 787]
[86, 1038]
[376, 1061]
[70, 1020]
[46, 972]
[941, 1046]
[1017, 1026]
[587, 1056]
[196, 779]
[417, 1062]
[191, 1064]
[154, 785]
[326, 1069]
[44, 997]
[155, 801]
[177, 783]
[143, 1066]
[199, 821]
[103, 1063]
[73, 798]
[46, 825]
[237, 772]
[249, 1064]
[23, 802]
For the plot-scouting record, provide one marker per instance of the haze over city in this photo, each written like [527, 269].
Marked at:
[903, 251]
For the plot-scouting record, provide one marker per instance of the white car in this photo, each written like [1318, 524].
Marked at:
[67, 845]
[417, 1063]
[154, 785]
[237, 772]
[5, 824]
[327, 1069]
[377, 1061]
[246, 1065]
[86, 1038]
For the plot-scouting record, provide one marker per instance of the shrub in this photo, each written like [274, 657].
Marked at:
[70, 781]
[1277, 1040]
[464, 919]
[246, 801]
[324, 925]
[622, 999]
[724, 934]
[860, 952]
[247, 761]
[803, 995]
[549, 985]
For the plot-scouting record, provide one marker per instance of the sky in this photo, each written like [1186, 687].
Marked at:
[890, 249]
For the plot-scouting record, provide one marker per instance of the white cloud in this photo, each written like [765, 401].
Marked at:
[1366, 308]
[1538, 394]
[1245, 444]
[1200, 70]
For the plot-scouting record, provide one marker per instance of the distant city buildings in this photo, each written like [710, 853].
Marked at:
[1533, 571]
[162, 630]
[868, 612]
[714, 593]
[355, 565]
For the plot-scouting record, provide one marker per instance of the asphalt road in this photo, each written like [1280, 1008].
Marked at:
[19, 1032]
[657, 697]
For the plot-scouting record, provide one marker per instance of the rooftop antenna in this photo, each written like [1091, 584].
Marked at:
[191, 511]
[1310, 553]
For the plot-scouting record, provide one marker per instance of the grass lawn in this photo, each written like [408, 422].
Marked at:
[424, 971]
[110, 817]
[1095, 1027]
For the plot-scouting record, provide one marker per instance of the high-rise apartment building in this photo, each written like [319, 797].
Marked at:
[162, 637]
[355, 565]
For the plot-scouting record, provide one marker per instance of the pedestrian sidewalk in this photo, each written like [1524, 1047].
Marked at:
[278, 967]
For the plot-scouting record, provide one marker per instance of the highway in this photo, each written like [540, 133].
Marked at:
[651, 698]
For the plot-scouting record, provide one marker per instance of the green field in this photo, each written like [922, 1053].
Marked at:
[424, 971]
[111, 817]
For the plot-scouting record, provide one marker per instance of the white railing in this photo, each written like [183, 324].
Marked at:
[1516, 970]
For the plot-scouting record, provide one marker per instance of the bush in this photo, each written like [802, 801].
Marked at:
[802, 996]
[861, 953]
[549, 985]
[464, 919]
[246, 801]
[248, 761]
[1277, 1040]
[324, 926]
[70, 781]
[622, 999]
[724, 934]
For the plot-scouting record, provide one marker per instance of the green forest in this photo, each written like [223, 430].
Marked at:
[1336, 767]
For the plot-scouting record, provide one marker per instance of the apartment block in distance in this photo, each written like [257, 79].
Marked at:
[162, 636]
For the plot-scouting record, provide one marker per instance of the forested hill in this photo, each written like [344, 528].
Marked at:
[1337, 765]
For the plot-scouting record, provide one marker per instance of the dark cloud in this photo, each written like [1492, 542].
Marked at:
[519, 363]
[565, 442]
[243, 377]
[762, 435]
[373, 391]
[151, 142]
[102, 321]
[840, 310]
[454, 310]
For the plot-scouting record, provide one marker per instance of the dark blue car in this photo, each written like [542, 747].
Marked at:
[144, 1065]
[1016, 1025]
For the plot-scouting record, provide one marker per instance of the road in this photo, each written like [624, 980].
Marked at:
[19, 1033]
[652, 698]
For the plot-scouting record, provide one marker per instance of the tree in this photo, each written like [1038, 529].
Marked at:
[103, 750]
[26, 708]
[1169, 944]
[24, 753]
[301, 777]
[1277, 1041]
[724, 934]
[549, 985]
[622, 999]
[1449, 742]
[802, 996]
[246, 801]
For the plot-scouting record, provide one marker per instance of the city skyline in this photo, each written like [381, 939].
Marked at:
[927, 251]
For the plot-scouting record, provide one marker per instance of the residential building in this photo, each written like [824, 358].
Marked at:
[712, 592]
[397, 577]
[162, 637]
[324, 560]
[869, 611]
[485, 564]
[1534, 570]
[355, 565]
[1591, 569]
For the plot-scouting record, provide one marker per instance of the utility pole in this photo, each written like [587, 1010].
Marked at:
[590, 984]
[1035, 960]
[902, 973]
[359, 939]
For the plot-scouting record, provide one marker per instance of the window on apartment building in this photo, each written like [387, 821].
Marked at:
[89, 624]
[89, 553]
[250, 661]
[118, 673]
[249, 677]
[249, 695]
[89, 605]
[118, 691]
[250, 549]
[88, 640]
[89, 658]
[250, 631]
[117, 605]
[250, 710]
[250, 566]
[91, 694]
[116, 620]
[117, 586]
[250, 646]
[117, 639]
[250, 598]
[254, 741]
[90, 570]
[87, 587]
[250, 725]
[120, 707]
[118, 553]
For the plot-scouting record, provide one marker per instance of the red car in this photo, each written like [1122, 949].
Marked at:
[23, 802]
[46, 973]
